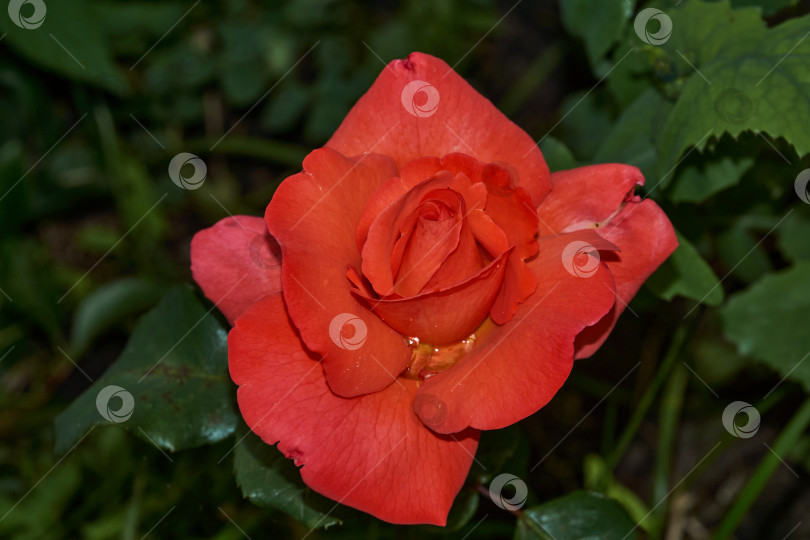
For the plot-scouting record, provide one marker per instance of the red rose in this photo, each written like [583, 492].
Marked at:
[433, 280]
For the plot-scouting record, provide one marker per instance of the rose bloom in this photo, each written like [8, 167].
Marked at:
[424, 278]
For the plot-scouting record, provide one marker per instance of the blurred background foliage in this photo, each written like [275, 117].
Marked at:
[94, 234]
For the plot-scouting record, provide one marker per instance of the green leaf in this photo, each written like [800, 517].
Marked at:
[768, 321]
[174, 367]
[714, 358]
[599, 478]
[629, 77]
[576, 516]
[744, 254]
[758, 77]
[38, 516]
[686, 274]
[97, 239]
[792, 235]
[584, 119]
[269, 479]
[287, 106]
[557, 155]
[243, 70]
[598, 22]
[108, 305]
[131, 27]
[133, 187]
[632, 139]
[695, 186]
[769, 7]
[69, 42]
[26, 286]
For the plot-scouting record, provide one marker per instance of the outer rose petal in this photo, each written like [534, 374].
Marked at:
[236, 263]
[370, 452]
[313, 216]
[585, 196]
[646, 238]
[513, 370]
[462, 121]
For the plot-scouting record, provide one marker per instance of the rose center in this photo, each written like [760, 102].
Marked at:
[436, 211]
[428, 360]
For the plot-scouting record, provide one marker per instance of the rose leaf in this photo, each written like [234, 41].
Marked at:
[581, 514]
[269, 479]
[170, 385]
[686, 274]
[743, 77]
[598, 22]
[767, 321]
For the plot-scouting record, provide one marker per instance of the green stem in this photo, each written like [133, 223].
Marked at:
[782, 446]
[669, 413]
[646, 401]
[609, 432]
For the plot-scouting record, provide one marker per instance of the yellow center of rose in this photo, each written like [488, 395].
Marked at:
[427, 360]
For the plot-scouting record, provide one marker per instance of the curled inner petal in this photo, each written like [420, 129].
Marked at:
[446, 315]
[435, 234]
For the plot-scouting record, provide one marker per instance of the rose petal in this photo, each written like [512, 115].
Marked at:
[380, 247]
[435, 236]
[236, 263]
[463, 262]
[600, 197]
[313, 215]
[512, 212]
[392, 190]
[587, 195]
[513, 370]
[646, 238]
[348, 450]
[490, 236]
[406, 120]
[443, 316]
[507, 205]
